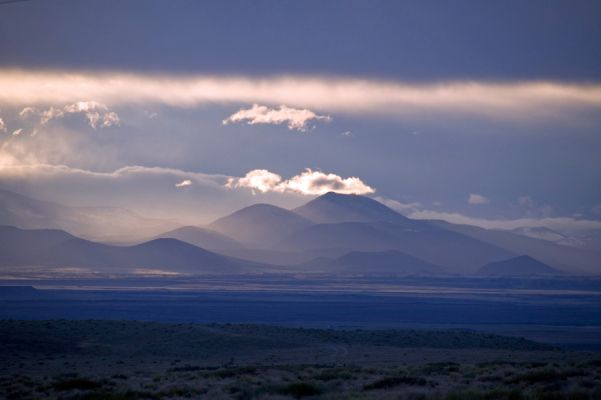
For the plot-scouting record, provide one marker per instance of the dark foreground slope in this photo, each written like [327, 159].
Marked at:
[142, 360]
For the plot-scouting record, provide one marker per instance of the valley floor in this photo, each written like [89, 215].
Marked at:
[147, 360]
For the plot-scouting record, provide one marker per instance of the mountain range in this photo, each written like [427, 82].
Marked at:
[333, 233]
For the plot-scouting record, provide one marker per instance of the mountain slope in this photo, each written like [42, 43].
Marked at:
[202, 237]
[460, 253]
[64, 250]
[259, 225]
[21, 247]
[382, 263]
[96, 223]
[517, 266]
[335, 208]
[565, 258]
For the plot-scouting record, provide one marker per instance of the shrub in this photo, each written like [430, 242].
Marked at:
[300, 389]
[75, 383]
[392, 381]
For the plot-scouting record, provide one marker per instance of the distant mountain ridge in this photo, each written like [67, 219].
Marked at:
[203, 237]
[336, 208]
[55, 248]
[96, 223]
[384, 263]
[259, 224]
[330, 226]
[517, 266]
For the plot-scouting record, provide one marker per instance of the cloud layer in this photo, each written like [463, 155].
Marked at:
[294, 118]
[308, 182]
[503, 100]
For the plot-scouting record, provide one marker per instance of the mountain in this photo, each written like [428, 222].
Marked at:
[335, 208]
[95, 223]
[202, 237]
[259, 225]
[565, 258]
[382, 263]
[517, 266]
[20, 247]
[53, 248]
[460, 253]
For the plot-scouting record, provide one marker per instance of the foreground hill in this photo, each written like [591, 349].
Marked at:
[54, 248]
[517, 266]
[260, 224]
[145, 360]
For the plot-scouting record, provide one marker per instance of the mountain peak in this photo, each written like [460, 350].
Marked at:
[517, 266]
[335, 207]
[259, 224]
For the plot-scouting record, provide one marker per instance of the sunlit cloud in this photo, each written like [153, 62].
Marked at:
[294, 118]
[2, 126]
[308, 182]
[17, 132]
[97, 114]
[557, 223]
[399, 206]
[184, 183]
[477, 199]
[509, 100]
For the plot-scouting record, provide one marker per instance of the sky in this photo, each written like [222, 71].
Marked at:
[478, 112]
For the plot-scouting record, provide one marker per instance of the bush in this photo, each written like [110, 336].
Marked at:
[300, 389]
[393, 381]
[75, 383]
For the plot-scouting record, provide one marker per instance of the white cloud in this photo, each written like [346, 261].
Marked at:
[347, 133]
[399, 206]
[17, 132]
[294, 118]
[184, 183]
[475, 198]
[308, 182]
[50, 114]
[151, 114]
[27, 112]
[260, 180]
[556, 223]
[2, 125]
[97, 114]
[506, 100]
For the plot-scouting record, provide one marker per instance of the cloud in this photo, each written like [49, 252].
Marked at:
[556, 223]
[295, 118]
[17, 132]
[399, 206]
[505, 100]
[308, 182]
[475, 198]
[2, 125]
[27, 112]
[97, 114]
[347, 133]
[184, 183]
